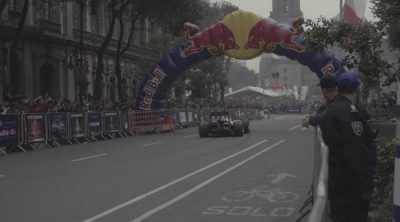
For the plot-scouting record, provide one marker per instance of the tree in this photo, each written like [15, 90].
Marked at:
[210, 77]
[240, 76]
[170, 14]
[120, 51]
[361, 44]
[14, 66]
[388, 12]
[116, 6]
[3, 4]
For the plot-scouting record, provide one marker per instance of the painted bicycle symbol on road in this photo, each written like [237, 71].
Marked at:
[275, 195]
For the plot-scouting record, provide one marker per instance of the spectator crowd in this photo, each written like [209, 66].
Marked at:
[44, 103]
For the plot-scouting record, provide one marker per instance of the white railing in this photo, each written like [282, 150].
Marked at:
[320, 182]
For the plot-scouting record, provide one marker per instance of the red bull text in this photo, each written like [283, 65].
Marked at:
[151, 87]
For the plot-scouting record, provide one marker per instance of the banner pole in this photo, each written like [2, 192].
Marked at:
[396, 192]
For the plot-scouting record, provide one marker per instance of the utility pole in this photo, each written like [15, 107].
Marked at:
[341, 10]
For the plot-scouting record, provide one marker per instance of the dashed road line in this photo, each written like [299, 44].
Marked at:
[89, 157]
[304, 129]
[151, 144]
[295, 127]
[136, 199]
[1, 176]
[194, 189]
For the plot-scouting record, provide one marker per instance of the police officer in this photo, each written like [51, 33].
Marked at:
[328, 87]
[352, 153]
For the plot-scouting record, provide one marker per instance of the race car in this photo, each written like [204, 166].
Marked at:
[221, 123]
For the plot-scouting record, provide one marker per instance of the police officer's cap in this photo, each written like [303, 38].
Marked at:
[348, 81]
[328, 81]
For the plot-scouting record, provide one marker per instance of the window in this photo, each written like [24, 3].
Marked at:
[285, 5]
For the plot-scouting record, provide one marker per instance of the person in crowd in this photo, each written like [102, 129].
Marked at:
[38, 105]
[352, 153]
[329, 91]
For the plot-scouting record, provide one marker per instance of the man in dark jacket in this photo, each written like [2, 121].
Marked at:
[352, 153]
[328, 87]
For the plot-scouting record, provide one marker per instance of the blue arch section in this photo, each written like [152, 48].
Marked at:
[170, 65]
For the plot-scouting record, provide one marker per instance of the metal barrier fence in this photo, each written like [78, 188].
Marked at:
[29, 130]
[320, 181]
[22, 131]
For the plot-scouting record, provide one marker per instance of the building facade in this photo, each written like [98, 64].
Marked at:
[280, 71]
[57, 52]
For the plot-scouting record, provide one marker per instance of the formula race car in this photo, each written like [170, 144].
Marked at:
[222, 123]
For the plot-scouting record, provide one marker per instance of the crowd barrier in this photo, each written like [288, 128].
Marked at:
[150, 121]
[29, 130]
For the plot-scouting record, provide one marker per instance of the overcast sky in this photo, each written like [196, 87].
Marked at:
[312, 9]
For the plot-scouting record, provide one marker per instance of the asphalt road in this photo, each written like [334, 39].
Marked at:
[172, 177]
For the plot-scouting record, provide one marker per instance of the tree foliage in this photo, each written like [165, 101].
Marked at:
[361, 44]
[169, 14]
[3, 4]
[209, 78]
[240, 76]
[388, 12]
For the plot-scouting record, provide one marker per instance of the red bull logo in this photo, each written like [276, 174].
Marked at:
[217, 38]
[267, 35]
[229, 36]
[328, 69]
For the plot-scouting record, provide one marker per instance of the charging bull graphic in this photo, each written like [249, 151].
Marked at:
[241, 35]
[216, 39]
[267, 35]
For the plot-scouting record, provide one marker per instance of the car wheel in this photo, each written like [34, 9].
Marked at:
[237, 128]
[203, 129]
[246, 126]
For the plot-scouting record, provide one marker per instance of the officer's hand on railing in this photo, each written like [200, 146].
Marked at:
[306, 121]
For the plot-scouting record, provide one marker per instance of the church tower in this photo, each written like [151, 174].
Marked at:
[277, 71]
[285, 11]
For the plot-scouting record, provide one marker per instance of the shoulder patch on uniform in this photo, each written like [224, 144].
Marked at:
[357, 127]
[353, 109]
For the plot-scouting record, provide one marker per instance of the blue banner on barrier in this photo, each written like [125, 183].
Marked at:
[111, 122]
[57, 125]
[94, 124]
[35, 128]
[396, 213]
[294, 109]
[9, 130]
[175, 117]
[398, 151]
[77, 125]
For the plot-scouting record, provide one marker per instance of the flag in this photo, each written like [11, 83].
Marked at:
[354, 10]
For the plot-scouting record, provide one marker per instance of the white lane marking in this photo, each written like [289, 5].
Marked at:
[279, 117]
[295, 127]
[1, 176]
[89, 157]
[136, 199]
[193, 135]
[194, 189]
[304, 128]
[151, 144]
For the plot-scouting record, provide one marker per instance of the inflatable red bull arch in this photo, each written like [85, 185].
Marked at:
[240, 35]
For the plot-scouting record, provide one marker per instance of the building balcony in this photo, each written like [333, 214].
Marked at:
[95, 40]
[49, 26]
